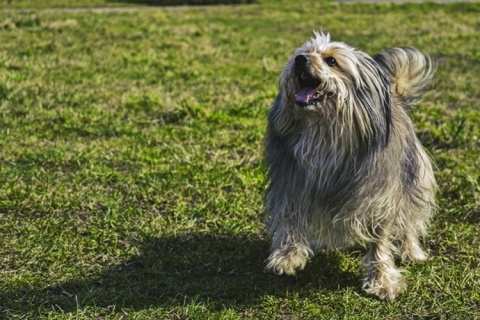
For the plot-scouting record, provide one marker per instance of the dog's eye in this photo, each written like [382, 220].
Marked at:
[330, 61]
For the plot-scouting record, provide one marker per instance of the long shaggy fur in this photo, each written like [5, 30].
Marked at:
[344, 162]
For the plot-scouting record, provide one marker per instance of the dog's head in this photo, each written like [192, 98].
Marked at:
[332, 82]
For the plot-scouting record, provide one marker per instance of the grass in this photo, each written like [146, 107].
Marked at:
[131, 162]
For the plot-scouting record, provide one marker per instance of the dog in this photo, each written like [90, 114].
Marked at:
[344, 163]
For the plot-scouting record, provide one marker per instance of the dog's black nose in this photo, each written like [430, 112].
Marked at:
[301, 61]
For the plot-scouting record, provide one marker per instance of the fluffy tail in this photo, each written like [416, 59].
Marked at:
[410, 73]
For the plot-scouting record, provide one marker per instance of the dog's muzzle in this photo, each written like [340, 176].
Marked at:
[308, 82]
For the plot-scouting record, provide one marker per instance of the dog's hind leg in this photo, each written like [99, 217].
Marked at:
[417, 211]
[290, 250]
[409, 249]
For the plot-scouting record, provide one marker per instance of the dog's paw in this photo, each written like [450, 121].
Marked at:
[413, 257]
[288, 261]
[386, 283]
[412, 253]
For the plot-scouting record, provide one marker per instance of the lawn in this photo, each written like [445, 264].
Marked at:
[131, 176]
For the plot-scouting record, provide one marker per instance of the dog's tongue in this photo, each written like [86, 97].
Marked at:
[305, 94]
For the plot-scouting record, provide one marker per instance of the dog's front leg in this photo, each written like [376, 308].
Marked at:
[381, 277]
[290, 250]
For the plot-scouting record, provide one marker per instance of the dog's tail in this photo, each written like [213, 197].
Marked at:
[410, 73]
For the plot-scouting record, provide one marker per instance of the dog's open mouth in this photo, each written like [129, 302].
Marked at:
[309, 90]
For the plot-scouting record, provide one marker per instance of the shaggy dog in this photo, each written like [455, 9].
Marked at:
[344, 162]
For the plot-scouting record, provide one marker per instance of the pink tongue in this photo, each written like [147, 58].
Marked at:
[305, 94]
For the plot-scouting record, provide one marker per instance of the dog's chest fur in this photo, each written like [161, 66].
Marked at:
[330, 161]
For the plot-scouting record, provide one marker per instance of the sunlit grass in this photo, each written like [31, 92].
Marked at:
[131, 162]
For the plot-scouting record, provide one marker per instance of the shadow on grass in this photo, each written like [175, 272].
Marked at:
[222, 272]
[184, 2]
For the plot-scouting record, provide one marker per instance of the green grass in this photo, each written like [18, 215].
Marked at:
[131, 162]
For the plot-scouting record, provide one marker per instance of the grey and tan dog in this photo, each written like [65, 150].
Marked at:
[344, 162]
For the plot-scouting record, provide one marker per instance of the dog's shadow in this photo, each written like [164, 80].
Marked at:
[174, 271]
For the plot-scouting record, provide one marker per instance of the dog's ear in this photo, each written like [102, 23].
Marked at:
[373, 93]
[280, 117]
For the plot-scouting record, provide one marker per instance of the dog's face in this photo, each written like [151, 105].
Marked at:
[334, 83]
[319, 72]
